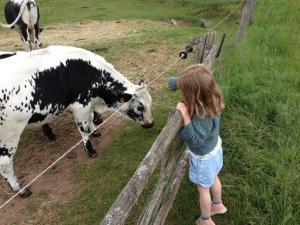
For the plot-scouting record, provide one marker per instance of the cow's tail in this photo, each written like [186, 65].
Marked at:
[22, 7]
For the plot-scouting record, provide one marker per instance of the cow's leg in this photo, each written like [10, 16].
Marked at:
[37, 42]
[31, 39]
[48, 132]
[97, 120]
[83, 120]
[9, 140]
[24, 37]
[7, 171]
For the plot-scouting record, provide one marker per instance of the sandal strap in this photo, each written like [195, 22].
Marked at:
[205, 217]
[216, 202]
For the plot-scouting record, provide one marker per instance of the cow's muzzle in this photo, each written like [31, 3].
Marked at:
[148, 125]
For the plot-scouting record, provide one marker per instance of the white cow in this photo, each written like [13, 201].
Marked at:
[24, 15]
[38, 86]
[97, 118]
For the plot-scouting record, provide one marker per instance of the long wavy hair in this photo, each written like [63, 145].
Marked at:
[200, 92]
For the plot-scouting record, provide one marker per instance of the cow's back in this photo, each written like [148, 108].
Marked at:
[11, 11]
[24, 65]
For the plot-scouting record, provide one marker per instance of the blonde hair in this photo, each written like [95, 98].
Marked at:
[200, 92]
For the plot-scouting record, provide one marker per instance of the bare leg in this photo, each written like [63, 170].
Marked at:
[205, 206]
[217, 206]
[216, 191]
[205, 201]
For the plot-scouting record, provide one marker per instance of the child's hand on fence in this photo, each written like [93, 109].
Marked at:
[184, 112]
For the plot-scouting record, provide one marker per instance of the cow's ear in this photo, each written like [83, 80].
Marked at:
[125, 98]
[40, 30]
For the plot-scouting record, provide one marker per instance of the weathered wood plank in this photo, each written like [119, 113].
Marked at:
[120, 210]
[244, 21]
[172, 192]
[199, 49]
[166, 173]
[221, 45]
[211, 52]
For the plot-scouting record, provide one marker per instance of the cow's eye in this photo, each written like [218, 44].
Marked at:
[140, 108]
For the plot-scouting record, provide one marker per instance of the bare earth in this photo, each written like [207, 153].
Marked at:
[78, 33]
[34, 155]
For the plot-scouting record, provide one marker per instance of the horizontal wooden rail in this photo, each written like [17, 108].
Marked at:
[120, 210]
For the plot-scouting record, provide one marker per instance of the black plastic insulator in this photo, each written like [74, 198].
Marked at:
[188, 49]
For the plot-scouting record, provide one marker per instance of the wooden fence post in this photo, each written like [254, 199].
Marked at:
[244, 21]
[206, 49]
[247, 17]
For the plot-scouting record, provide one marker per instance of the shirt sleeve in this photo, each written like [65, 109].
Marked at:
[193, 135]
[172, 84]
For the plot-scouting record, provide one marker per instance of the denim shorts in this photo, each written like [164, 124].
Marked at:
[204, 171]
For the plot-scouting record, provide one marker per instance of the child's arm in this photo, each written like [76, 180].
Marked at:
[172, 83]
[184, 112]
[190, 134]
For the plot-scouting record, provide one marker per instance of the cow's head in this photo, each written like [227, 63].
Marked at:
[138, 106]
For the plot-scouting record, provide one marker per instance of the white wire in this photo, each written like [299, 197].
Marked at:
[221, 21]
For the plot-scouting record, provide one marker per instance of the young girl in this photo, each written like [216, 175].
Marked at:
[201, 108]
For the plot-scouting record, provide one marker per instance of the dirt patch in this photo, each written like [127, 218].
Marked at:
[79, 33]
[56, 186]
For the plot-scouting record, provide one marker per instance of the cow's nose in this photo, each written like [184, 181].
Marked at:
[148, 125]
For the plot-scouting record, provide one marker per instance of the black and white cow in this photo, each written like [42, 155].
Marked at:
[23, 15]
[97, 119]
[47, 82]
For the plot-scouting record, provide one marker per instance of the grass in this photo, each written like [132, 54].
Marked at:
[55, 11]
[260, 127]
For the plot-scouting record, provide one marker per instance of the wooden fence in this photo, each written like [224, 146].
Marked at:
[173, 168]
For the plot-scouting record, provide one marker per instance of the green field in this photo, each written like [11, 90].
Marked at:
[260, 126]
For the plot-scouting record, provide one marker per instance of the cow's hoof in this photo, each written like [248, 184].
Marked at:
[96, 134]
[26, 193]
[48, 132]
[93, 155]
[52, 137]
